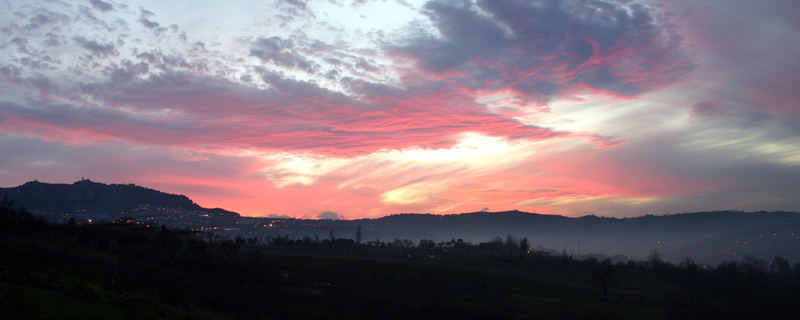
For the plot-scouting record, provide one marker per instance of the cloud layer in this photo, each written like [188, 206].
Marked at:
[550, 106]
[539, 51]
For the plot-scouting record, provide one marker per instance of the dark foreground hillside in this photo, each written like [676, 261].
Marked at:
[129, 271]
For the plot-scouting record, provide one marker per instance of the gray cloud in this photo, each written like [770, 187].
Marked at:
[144, 19]
[128, 71]
[708, 108]
[329, 215]
[98, 49]
[101, 5]
[53, 40]
[750, 51]
[45, 17]
[292, 10]
[281, 52]
[543, 50]
[171, 62]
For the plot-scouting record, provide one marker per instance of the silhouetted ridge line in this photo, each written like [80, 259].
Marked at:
[86, 200]
[705, 236]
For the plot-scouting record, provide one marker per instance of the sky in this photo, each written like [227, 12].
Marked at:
[368, 108]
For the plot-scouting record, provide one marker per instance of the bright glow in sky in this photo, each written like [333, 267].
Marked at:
[370, 108]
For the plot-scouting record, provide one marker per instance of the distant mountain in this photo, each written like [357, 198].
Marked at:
[86, 199]
[708, 237]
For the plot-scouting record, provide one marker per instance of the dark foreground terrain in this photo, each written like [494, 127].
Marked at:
[101, 271]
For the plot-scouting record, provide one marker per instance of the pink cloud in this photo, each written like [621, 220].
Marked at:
[210, 113]
[191, 121]
[164, 100]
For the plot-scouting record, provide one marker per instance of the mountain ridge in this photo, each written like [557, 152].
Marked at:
[86, 200]
[166, 199]
[714, 235]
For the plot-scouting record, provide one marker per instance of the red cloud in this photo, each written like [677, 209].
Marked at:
[208, 113]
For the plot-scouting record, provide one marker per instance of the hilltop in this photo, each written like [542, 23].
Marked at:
[87, 200]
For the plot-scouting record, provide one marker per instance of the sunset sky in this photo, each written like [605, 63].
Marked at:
[373, 108]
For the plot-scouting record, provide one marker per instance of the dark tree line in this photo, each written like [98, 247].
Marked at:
[236, 275]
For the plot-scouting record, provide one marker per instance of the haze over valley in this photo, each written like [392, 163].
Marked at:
[707, 237]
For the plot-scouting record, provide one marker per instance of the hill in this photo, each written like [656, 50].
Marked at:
[709, 237]
[87, 200]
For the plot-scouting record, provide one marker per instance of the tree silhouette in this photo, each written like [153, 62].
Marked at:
[358, 234]
[510, 242]
[796, 269]
[424, 243]
[603, 275]
[780, 265]
[690, 278]
[524, 245]
[7, 212]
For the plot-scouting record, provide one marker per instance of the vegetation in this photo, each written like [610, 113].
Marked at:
[66, 271]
